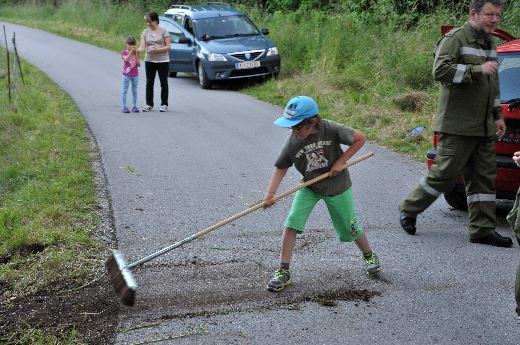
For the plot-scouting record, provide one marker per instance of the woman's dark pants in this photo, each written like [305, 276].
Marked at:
[162, 68]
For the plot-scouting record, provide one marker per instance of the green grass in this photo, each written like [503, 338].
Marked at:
[31, 336]
[47, 193]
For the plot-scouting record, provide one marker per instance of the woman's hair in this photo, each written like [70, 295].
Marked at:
[152, 16]
[130, 40]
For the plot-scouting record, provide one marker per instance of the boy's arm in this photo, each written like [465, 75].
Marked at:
[274, 183]
[359, 141]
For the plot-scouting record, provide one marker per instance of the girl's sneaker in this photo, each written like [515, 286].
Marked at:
[279, 281]
[163, 108]
[147, 108]
[135, 109]
[125, 110]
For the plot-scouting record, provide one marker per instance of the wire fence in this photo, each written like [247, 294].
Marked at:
[11, 69]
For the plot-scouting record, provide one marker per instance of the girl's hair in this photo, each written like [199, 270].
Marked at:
[152, 16]
[130, 40]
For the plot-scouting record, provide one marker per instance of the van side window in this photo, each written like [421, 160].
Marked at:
[188, 25]
[177, 18]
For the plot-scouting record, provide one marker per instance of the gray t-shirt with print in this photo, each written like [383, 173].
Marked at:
[316, 154]
[155, 39]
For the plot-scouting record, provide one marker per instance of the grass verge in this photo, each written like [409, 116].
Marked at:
[48, 208]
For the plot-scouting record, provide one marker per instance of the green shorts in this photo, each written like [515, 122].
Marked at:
[341, 210]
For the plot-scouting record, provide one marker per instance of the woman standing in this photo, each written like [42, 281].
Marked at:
[156, 42]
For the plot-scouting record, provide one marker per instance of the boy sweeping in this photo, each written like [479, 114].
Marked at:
[314, 148]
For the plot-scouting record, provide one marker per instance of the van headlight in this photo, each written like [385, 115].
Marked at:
[272, 51]
[216, 57]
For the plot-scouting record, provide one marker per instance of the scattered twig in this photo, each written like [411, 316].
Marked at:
[147, 325]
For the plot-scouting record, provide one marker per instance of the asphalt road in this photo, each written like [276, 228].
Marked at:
[173, 174]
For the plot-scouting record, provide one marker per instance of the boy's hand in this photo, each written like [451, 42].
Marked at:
[337, 168]
[269, 200]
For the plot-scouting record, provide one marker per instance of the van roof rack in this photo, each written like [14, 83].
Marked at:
[189, 7]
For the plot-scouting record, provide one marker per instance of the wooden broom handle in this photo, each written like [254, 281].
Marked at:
[245, 212]
[280, 196]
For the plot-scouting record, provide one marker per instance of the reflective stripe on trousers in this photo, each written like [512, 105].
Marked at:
[424, 185]
[481, 197]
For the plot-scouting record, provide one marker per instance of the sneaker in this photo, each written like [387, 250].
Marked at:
[372, 264]
[163, 108]
[135, 109]
[125, 110]
[147, 108]
[279, 281]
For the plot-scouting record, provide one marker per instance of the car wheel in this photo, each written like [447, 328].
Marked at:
[457, 200]
[172, 74]
[204, 82]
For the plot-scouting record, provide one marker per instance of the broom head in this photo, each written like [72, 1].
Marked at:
[121, 278]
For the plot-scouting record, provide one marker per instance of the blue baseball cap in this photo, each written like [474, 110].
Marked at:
[297, 109]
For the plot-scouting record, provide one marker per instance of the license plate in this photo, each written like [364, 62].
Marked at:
[247, 64]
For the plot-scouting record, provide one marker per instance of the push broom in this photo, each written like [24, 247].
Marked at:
[119, 271]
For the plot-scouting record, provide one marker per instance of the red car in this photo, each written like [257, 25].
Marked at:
[508, 174]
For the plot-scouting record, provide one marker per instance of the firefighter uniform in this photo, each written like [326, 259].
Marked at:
[469, 106]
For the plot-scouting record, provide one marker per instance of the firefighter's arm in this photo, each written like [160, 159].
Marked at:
[446, 68]
[497, 106]
[276, 178]
[359, 141]
[501, 128]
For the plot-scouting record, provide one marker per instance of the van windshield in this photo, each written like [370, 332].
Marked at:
[224, 27]
[509, 75]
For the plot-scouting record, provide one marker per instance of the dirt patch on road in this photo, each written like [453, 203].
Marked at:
[91, 311]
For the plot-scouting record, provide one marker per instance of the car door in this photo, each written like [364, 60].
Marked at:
[181, 50]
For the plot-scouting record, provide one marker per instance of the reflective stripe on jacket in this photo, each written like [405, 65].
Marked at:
[469, 100]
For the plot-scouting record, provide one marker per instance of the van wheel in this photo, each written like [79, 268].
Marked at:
[172, 74]
[204, 82]
[457, 200]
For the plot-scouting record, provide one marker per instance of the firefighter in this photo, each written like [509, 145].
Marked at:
[468, 121]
